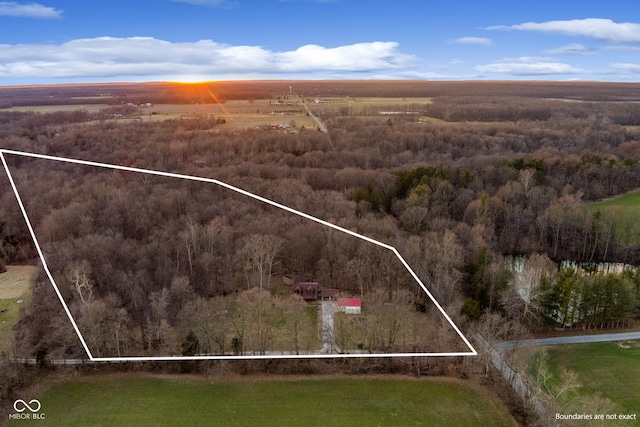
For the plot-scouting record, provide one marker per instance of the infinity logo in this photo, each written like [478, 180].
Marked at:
[24, 405]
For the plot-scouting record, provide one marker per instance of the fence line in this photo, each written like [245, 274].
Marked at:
[515, 380]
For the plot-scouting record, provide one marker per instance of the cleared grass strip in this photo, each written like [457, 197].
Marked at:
[142, 401]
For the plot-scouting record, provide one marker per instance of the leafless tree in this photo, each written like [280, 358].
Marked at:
[260, 252]
[526, 284]
[79, 276]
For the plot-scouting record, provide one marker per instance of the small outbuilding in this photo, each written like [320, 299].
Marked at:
[329, 294]
[350, 305]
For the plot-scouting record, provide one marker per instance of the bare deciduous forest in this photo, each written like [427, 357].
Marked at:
[460, 185]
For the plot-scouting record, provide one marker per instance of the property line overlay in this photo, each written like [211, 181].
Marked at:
[471, 352]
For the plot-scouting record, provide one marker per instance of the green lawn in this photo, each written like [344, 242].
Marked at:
[626, 210]
[607, 369]
[14, 286]
[173, 401]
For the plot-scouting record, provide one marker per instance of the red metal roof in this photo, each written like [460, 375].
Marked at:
[349, 302]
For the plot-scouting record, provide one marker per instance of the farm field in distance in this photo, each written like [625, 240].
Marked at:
[44, 109]
[243, 113]
[135, 399]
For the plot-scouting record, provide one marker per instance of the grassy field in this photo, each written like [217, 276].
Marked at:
[14, 285]
[91, 108]
[239, 114]
[626, 210]
[607, 369]
[173, 401]
[360, 105]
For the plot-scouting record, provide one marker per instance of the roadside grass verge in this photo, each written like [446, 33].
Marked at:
[606, 370]
[163, 401]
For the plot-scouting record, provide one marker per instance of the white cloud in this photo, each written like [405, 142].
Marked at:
[209, 3]
[622, 48]
[33, 10]
[627, 68]
[601, 29]
[528, 66]
[424, 75]
[454, 64]
[146, 56]
[474, 40]
[570, 49]
[355, 57]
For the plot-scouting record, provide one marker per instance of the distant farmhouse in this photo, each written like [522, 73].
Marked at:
[276, 126]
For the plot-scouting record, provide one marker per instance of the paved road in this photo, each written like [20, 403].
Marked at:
[322, 127]
[576, 339]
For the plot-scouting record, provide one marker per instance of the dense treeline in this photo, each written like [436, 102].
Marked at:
[139, 259]
[598, 115]
[505, 109]
[591, 301]
[214, 92]
[454, 197]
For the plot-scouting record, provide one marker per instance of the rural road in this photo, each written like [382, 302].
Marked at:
[577, 339]
[54, 361]
[330, 308]
[322, 127]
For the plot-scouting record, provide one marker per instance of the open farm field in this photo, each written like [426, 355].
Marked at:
[14, 285]
[260, 112]
[371, 100]
[364, 105]
[393, 100]
[142, 400]
[238, 114]
[605, 370]
[624, 211]
[93, 97]
[90, 108]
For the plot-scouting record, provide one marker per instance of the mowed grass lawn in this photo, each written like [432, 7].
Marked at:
[609, 369]
[137, 400]
[14, 286]
[626, 210]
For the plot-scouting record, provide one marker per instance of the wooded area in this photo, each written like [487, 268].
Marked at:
[459, 185]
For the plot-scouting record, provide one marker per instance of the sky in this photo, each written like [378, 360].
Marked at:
[70, 41]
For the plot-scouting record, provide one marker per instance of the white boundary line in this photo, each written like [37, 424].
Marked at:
[44, 263]
[472, 351]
